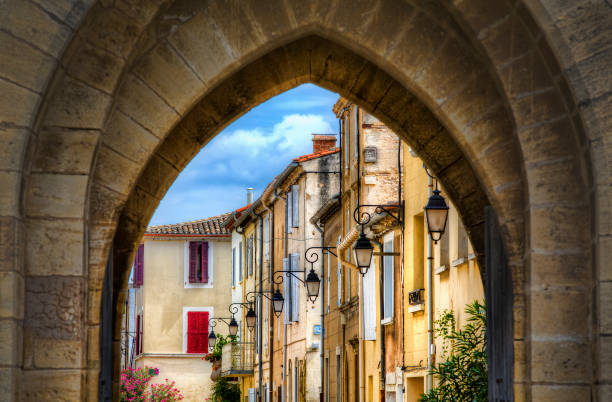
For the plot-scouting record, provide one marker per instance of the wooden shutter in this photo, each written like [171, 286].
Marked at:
[295, 288]
[138, 266]
[138, 324]
[197, 332]
[295, 199]
[289, 211]
[193, 261]
[498, 295]
[234, 266]
[368, 284]
[339, 275]
[286, 292]
[240, 262]
[204, 264]
[388, 279]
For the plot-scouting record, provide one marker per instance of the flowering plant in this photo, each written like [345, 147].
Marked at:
[215, 355]
[134, 383]
[166, 392]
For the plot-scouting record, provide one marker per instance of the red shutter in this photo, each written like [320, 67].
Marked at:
[197, 332]
[204, 262]
[138, 266]
[193, 261]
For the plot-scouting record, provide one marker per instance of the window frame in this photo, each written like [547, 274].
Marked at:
[211, 266]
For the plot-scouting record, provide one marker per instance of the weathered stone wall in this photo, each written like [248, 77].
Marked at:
[103, 103]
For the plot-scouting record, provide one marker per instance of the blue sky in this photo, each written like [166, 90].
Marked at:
[248, 153]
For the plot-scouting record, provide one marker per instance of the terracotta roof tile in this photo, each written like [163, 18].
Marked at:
[308, 157]
[208, 226]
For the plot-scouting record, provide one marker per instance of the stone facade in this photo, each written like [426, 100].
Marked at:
[507, 102]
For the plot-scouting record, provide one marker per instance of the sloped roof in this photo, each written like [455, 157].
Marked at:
[212, 226]
[308, 157]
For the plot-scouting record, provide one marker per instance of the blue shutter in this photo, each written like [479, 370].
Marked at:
[295, 288]
[295, 198]
[289, 211]
[286, 292]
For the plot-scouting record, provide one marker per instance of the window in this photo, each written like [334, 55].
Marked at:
[199, 262]
[348, 277]
[295, 199]
[195, 329]
[295, 288]
[234, 266]
[138, 269]
[250, 257]
[388, 279]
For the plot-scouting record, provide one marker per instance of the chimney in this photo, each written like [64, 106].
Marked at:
[250, 195]
[322, 142]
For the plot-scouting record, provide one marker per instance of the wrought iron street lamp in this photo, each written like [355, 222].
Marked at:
[212, 339]
[363, 248]
[436, 212]
[251, 317]
[277, 302]
[233, 327]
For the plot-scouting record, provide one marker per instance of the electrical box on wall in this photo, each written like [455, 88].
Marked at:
[369, 154]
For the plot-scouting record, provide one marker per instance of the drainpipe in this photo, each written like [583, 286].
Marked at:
[321, 347]
[430, 345]
[383, 355]
[285, 244]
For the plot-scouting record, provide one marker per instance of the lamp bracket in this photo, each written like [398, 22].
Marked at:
[254, 294]
[363, 217]
[278, 279]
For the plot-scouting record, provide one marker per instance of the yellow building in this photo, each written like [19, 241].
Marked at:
[183, 280]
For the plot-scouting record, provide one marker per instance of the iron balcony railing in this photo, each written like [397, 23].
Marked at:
[237, 359]
[416, 297]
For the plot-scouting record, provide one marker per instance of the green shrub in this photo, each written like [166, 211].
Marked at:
[463, 375]
[225, 391]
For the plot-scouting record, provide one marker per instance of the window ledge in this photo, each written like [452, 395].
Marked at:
[386, 321]
[416, 308]
[457, 262]
[441, 269]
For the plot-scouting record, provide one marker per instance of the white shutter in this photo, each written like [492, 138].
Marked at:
[286, 292]
[295, 288]
[348, 278]
[234, 266]
[368, 284]
[295, 198]
[252, 395]
[388, 277]
[327, 281]
[289, 211]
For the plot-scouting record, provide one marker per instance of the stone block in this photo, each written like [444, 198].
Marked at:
[507, 40]
[11, 295]
[53, 353]
[10, 383]
[560, 361]
[55, 247]
[105, 205]
[567, 270]
[11, 244]
[17, 104]
[123, 135]
[560, 393]
[453, 66]
[65, 151]
[537, 108]
[9, 197]
[52, 385]
[26, 21]
[604, 359]
[419, 45]
[75, 104]
[162, 62]
[604, 256]
[605, 307]
[24, 64]
[603, 202]
[481, 14]
[115, 171]
[96, 66]
[94, 303]
[93, 347]
[11, 347]
[54, 307]
[604, 392]
[140, 103]
[56, 195]
[559, 228]
[12, 148]
[556, 138]
[556, 180]
[157, 177]
[526, 75]
[70, 12]
[560, 312]
[93, 377]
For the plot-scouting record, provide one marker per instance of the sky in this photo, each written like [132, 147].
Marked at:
[248, 153]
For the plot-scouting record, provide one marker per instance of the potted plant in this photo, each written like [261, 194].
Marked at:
[215, 356]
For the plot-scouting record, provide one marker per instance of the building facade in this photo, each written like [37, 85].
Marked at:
[181, 280]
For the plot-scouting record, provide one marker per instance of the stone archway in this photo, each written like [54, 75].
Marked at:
[491, 102]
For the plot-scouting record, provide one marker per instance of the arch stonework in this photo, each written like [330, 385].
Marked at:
[105, 102]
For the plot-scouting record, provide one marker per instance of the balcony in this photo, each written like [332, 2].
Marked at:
[237, 359]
